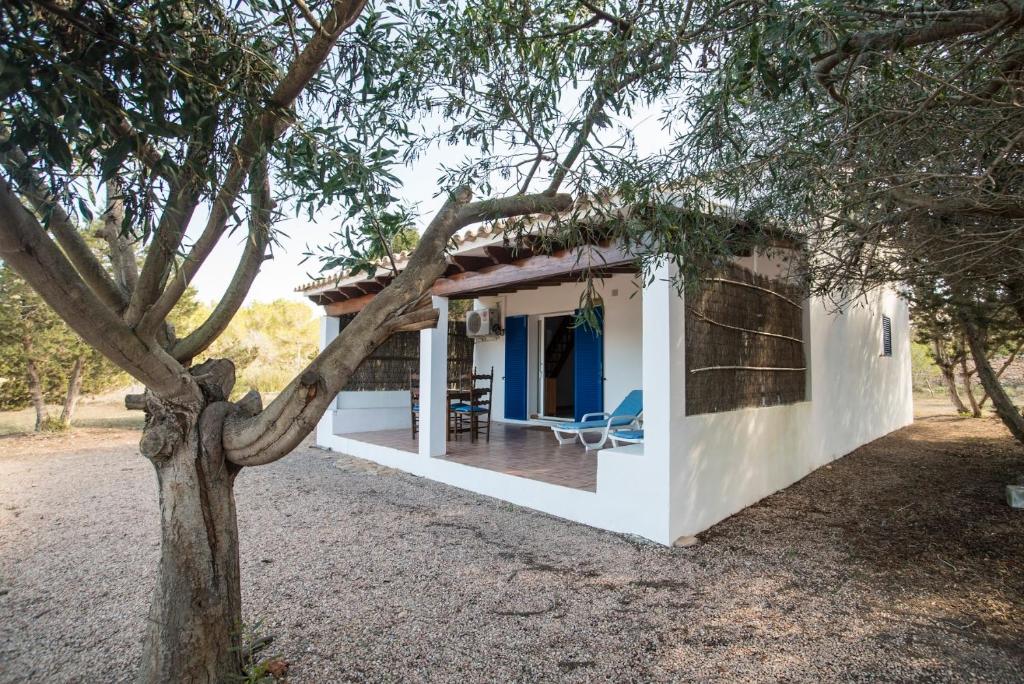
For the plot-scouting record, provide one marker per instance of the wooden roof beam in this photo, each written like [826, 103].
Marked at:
[348, 306]
[368, 287]
[498, 254]
[472, 263]
[538, 268]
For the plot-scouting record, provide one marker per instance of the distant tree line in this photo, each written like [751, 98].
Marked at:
[43, 362]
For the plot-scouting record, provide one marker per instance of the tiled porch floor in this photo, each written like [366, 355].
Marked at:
[525, 451]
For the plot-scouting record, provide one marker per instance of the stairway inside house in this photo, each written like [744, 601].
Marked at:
[558, 355]
[559, 349]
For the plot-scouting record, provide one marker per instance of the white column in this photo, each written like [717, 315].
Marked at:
[329, 329]
[434, 383]
[664, 393]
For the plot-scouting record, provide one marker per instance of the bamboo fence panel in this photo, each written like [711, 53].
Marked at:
[389, 366]
[744, 343]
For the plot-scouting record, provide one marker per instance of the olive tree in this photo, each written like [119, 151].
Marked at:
[889, 132]
[179, 124]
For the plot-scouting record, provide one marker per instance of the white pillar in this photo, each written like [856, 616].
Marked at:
[329, 329]
[434, 383]
[664, 391]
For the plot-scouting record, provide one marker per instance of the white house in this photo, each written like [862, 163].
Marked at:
[747, 387]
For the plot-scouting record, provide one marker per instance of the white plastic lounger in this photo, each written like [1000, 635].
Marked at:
[627, 414]
[620, 437]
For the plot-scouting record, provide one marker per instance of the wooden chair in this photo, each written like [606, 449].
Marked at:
[414, 408]
[414, 402]
[479, 408]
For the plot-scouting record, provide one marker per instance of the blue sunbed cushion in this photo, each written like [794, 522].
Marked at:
[632, 405]
[594, 424]
[628, 434]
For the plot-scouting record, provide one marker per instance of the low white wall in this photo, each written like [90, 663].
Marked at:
[731, 460]
[623, 335]
[368, 411]
[621, 503]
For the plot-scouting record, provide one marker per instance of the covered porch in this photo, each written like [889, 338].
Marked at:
[622, 489]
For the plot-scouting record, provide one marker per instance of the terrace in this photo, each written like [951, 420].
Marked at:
[527, 451]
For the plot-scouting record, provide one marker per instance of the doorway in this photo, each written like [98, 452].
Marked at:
[557, 366]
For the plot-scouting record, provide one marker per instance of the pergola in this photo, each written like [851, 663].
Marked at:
[487, 270]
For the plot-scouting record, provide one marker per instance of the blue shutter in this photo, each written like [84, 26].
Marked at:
[515, 367]
[588, 357]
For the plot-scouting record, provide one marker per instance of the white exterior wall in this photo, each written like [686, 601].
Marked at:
[623, 332]
[692, 471]
[736, 458]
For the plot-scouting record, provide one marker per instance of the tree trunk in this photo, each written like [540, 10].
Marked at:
[949, 379]
[1002, 369]
[1009, 414]
[948, 370]
[35, 385]
[74, 391]
[195, 619]
[968, 389]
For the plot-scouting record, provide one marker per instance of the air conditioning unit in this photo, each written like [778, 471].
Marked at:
[483, 323]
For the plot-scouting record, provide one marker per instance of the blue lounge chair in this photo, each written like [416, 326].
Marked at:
[626, 415]
[620, 437]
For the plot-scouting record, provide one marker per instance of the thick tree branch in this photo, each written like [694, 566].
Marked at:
[507, 207]
[904, 37]
[253, 256]
[26, 247]
[255, 138]
[280, 427]
[163, 251]
[64, 230]
[1002, 207]
[615, 21]
[601, 96]
[122, 254]
[1004, 407]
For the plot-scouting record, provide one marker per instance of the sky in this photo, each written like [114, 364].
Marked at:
[279, 277]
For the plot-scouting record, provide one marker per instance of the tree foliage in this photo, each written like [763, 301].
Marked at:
[889, 134]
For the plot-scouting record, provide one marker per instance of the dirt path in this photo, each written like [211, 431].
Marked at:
[899, 562]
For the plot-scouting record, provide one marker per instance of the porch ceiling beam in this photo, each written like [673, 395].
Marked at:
[498, 254]
[472, 263]
[369, 286]
[348, 306]
[349, 291]
[530, 270]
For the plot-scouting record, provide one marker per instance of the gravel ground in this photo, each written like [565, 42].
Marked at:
[899, 562]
